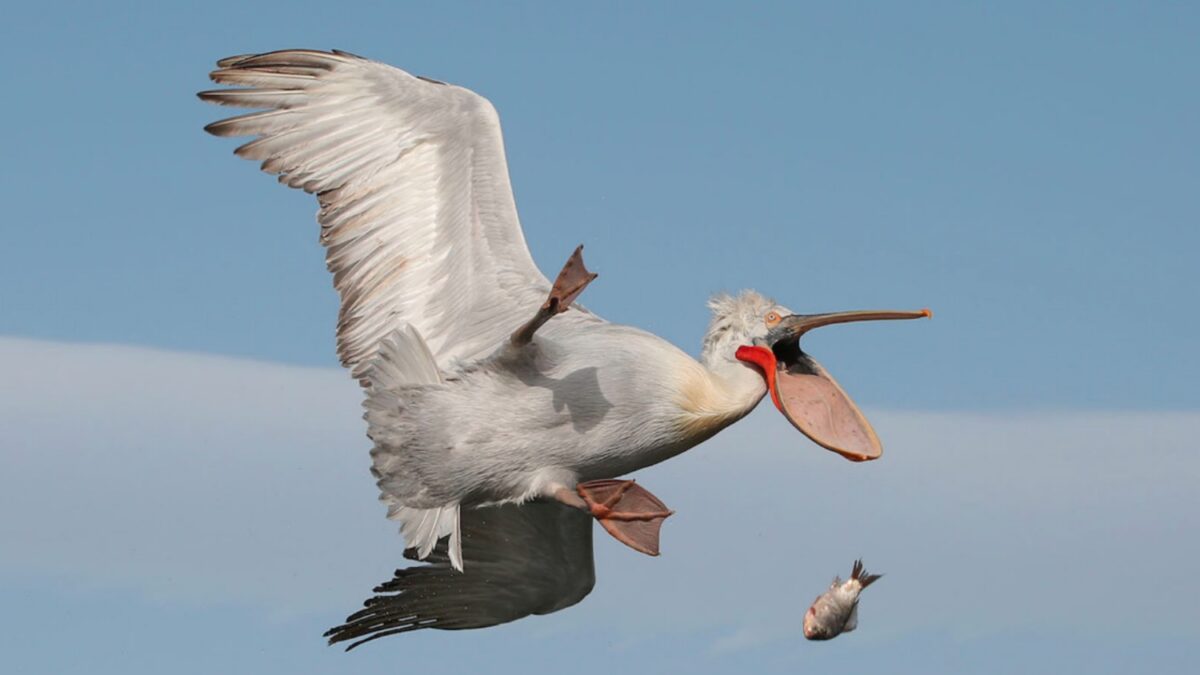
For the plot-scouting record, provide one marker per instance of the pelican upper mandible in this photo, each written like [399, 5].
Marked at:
[485, 383]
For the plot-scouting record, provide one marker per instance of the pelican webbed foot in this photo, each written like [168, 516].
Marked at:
[629, 512]
[571, 281]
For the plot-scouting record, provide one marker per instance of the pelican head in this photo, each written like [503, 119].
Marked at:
[762, 334]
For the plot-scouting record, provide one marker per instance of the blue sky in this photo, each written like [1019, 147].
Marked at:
[1028, 171]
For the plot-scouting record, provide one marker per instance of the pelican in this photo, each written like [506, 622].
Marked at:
[487, 384]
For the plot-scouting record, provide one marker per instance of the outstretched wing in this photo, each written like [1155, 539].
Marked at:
[416, 210]
[532, 558]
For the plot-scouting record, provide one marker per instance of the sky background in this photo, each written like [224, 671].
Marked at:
[185, 486]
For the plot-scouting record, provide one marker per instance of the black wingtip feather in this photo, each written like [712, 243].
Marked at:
[214, 128]
[233, 60]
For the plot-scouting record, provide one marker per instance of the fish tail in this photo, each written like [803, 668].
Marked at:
[859, 573]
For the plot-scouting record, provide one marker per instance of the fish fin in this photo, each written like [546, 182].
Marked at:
[859, 573]
[852, 620]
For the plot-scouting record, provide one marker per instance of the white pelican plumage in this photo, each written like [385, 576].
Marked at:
[482, 389]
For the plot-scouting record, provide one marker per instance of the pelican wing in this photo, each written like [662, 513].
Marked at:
[416, 210]
[533, 558]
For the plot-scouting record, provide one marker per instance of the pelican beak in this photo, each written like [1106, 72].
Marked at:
[807, 395]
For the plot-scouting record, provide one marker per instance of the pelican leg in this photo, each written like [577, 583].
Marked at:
[629, 512]
[571, 281]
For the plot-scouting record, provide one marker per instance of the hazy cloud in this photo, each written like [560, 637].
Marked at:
[201, 479]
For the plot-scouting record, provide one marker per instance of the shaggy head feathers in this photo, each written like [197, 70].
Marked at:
[736, 320]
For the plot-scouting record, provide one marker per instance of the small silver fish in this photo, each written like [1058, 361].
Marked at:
[836, 610]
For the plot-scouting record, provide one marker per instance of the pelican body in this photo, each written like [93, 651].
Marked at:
[486, 384]
[573, 406]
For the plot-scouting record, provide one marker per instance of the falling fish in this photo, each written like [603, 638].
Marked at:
[836, 610]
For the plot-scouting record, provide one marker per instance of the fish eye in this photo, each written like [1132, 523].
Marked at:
[772, 319]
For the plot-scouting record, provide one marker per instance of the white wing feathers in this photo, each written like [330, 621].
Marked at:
[405, 360]
[423, 528]
[416, 209]
[402, 359]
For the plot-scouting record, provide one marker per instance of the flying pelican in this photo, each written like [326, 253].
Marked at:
[485, 383]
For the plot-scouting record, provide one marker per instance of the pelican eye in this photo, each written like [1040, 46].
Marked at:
[772, 319]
